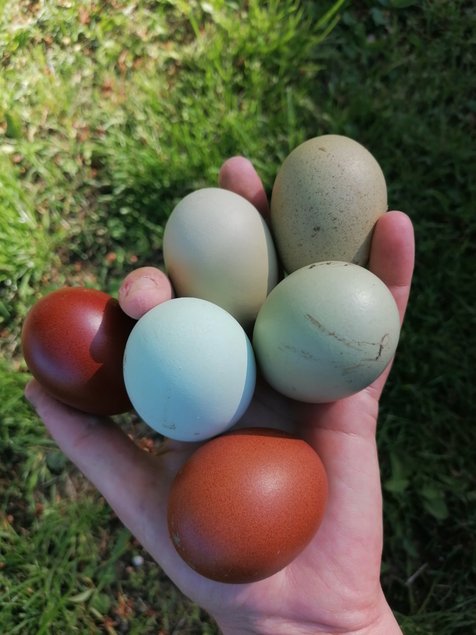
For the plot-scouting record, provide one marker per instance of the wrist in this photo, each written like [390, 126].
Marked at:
[383, 624]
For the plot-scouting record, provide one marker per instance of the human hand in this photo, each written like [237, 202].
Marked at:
[333, 586]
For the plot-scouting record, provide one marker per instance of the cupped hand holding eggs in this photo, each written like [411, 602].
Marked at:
[339, 567]
[327, 330]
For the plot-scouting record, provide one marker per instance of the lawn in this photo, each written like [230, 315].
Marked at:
[112, 111]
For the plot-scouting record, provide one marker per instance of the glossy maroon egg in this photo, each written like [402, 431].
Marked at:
[73, 342]
[246, 504]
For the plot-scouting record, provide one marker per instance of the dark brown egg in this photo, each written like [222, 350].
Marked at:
[246, 504]
[73, 342]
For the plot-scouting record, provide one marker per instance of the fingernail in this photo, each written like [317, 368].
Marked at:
[144, 284]
[140, 285]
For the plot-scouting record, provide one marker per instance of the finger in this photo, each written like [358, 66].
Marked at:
[392, 259]
[238, 175]
[135, 483]
[143, 289]
[99, 448]
[392, 255]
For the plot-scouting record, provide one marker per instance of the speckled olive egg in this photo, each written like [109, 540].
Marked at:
[189, 369]
[246, 504]
[326, 331]
[218, 247]
[73, 341]
[326, 199]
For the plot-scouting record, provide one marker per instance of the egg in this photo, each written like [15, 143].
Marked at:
[326, 198]
[246, 504]
[189, 369]
[73, 342]
[218, 247]
[326, 331]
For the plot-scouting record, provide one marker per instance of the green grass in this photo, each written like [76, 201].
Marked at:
[109, 113]
[76, 574]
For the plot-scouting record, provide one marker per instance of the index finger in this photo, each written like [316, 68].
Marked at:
[392, 255]
[238, 175]
[392, 258]
[143, 289]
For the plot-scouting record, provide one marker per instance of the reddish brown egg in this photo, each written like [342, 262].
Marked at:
[246, 504]
[73, 342]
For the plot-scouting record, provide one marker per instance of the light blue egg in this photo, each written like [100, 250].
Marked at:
[189, 369]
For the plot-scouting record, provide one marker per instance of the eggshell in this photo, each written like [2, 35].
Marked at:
[326, 199]
[326, 331]
[73, 341]
[189, 369]
[218, 247]
[246, 504]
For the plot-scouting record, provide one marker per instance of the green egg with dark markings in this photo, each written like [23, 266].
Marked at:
[326, 331]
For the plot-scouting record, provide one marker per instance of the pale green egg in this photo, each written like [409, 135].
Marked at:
[218, 247]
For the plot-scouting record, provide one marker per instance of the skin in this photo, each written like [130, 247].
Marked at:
[333, 586]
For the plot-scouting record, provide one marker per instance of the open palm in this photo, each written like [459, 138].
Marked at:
[333, 586]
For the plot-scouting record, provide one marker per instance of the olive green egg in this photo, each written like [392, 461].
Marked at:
[326, 198]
